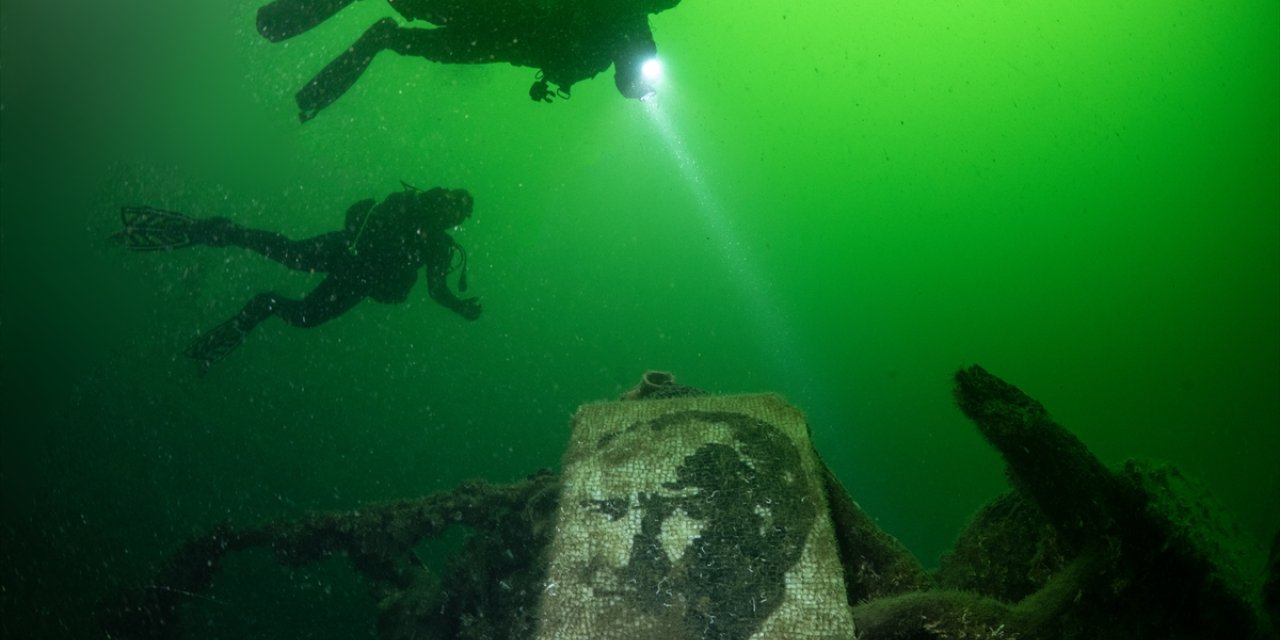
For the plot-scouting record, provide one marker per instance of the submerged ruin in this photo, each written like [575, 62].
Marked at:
[680, 514]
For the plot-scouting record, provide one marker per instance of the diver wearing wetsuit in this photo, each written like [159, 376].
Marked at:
[376, 256]
[566, 40]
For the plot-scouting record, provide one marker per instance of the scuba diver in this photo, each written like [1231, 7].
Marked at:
[376, 255]
[566, 40]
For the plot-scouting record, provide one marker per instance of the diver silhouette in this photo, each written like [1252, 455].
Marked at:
[566, 40]
[376, 255]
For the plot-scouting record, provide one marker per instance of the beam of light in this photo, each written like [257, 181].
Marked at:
[755, 290]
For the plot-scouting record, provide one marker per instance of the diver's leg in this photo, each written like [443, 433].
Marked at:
[331, 299]
[324, 252]
[440, 45]
[341, 74]
[440, 12]
[283, 19]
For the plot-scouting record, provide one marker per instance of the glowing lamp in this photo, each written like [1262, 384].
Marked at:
[651, 69]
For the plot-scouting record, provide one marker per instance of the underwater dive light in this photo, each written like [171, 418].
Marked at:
[652, 70]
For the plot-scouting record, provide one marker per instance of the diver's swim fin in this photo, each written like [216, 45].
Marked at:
[151, 229]
[211, 347]
[284, 19]
[342, 72]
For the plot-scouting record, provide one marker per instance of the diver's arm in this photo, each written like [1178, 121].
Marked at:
[633, 48]
[438, 288]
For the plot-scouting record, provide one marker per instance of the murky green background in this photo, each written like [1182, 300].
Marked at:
[840, 202]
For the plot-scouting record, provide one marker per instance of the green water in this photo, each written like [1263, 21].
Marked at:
[840, 202]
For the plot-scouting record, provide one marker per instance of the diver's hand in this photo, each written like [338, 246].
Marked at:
[469, 308]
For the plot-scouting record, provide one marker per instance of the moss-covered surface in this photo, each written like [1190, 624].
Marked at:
[876, 564]
[488, 591]
[935, 615]
[1076, 551]
[1007, 552]
[736, 576]
[693, 518]
[1081, 551]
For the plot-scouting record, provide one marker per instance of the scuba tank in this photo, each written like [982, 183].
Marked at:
[371, 224]
[391, 216]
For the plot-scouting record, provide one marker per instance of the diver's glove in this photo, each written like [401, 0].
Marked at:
[540, 92]
[469, 308]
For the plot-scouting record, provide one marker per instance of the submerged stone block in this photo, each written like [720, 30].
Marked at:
[693, 517]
